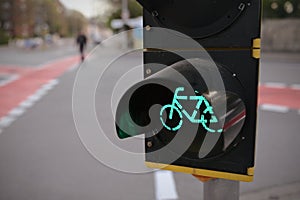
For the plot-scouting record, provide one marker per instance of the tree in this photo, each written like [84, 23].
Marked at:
[76, 22]
[52, 14]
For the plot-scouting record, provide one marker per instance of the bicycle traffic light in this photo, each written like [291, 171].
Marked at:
[198, 103]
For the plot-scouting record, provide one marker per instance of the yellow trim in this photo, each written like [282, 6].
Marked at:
[256, 43]
[250, 171]
[198, 49]
[256, 53]
[202, 172]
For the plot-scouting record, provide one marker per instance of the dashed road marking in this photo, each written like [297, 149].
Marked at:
[165, 187]
[50, 85]
[295, 86]
[275, 85]
[274, 108]
[10, 78]
[16, 112]
[6, 121]
[14, 107]
[25, 105]
[74, 67]
[34, 97]
[279, 97]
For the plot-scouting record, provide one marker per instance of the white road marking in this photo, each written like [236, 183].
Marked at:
[165, 187]
[41, 92]
[50, 84]
[274, 108]
[275, 84]
[26, 104]
[16, 112]
[295, 86]
[6, 121]
[11, 78]
[34, 97]
[75, 66]
[23, 107]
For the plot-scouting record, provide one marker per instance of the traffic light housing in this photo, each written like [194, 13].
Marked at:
[201, 126]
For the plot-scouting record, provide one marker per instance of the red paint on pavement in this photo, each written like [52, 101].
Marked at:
[30, 80]
[9, 69]
[287, 97]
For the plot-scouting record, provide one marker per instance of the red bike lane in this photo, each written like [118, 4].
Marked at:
[28, 81]
[287, 96]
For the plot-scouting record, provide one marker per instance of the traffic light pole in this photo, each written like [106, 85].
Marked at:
[221, 189]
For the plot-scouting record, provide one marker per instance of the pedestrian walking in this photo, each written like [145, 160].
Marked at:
[81, 42]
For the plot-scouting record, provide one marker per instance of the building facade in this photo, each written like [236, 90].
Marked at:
[28, 18]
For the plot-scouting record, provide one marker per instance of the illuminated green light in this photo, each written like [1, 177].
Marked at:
[170, 117]
[192, 118]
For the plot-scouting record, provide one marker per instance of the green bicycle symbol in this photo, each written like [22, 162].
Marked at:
[192, 118]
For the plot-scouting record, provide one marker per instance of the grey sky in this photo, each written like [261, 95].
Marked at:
[87, 7]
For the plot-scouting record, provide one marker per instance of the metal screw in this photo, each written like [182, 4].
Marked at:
[154, 13]
[148, 28]
[241, 6]
[234, 75]
[148, 71]
[149, 144]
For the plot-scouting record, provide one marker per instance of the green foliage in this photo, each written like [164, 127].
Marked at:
[4, 38]
[281, 8]
[52, 15]
[41, 17]
[76, 22]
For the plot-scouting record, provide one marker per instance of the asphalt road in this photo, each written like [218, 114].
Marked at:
[42, 156]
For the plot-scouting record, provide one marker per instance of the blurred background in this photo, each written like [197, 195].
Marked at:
[32, 23]
[41, 156]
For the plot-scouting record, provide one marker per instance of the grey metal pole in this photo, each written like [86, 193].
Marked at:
[221, 189]
[125, 11]
[125, 17]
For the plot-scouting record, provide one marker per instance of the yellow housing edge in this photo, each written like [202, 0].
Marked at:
[204, 172]
[256, 45]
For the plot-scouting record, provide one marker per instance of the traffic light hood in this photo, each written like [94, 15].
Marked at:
[198, 19]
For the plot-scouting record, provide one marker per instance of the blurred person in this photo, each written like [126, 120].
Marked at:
[81, 41]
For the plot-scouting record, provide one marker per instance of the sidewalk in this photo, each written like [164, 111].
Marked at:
[28, 81]
[39, 56]
[281, 56]
[283, 192]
